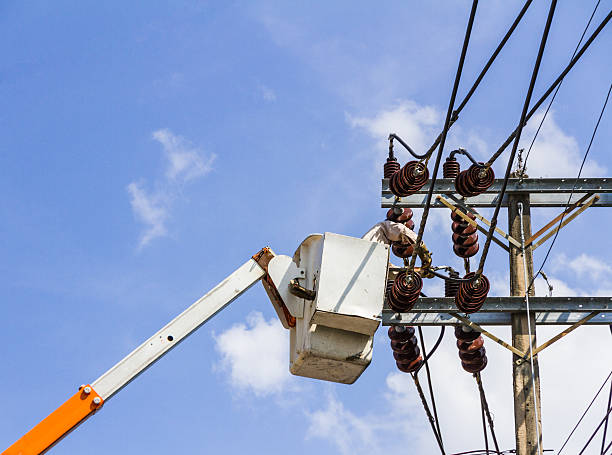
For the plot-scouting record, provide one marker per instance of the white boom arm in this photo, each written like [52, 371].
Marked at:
[90, 398]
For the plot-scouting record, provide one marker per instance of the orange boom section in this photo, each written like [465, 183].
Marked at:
[58, 424]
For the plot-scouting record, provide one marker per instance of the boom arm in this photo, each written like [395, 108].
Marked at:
[90, 398]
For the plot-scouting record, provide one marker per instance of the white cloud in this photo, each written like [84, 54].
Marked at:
[150, 210]
[555, 153]
[256, 355]
[585, 266]
[185, 163]
[351, 434]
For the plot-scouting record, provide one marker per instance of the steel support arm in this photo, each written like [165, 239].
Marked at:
[90, 398]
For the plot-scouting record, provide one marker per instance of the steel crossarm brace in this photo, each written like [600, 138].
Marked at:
[526, 357]
[566, 221]
[90, 398]
[490, 319]
[515, 185]
[536, 200]
[517, 305]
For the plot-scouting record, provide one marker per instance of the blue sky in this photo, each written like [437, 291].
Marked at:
[149, 149]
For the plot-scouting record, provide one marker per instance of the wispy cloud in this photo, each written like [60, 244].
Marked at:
[185, 164]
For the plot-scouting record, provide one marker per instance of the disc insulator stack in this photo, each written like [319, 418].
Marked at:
[465, 237]
[403, 216]
[472, 293]
[390, 167]
[471, 350]
[405, 348]
[451, 168]
[409, 179]
[475, 180]
[451, 287]
[405, 291]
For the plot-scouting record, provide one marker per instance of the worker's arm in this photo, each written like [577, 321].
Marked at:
[90, 398]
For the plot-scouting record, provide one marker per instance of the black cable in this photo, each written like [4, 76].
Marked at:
[550, 89]
[484, 427]
[534, 76]
[585, 412]
[603, 439]
[559, 86]
[502, 43]
[449, 111]
[596, 429]
[573, 188]
[431, 393]
[406, 146]
[483, 401]
[448, 278]
[464, 152]
[415, 378]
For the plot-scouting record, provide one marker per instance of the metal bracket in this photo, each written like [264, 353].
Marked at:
[565, 222]
[526, 357]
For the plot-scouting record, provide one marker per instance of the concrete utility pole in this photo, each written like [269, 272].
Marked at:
[524, 407]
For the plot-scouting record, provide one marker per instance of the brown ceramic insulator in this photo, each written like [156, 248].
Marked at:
[409, 179]
[390, 167]
[474, 180]
[388, 287]
[405, 292]
[405, 349]
[459, 219]
[409, 224]
[471, 350]
[472, 293]
[398, 215]
[465, 237]
[451, 168]
[451, 287]
[402, 251]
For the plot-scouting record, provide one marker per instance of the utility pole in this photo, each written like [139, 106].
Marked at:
[525, 409]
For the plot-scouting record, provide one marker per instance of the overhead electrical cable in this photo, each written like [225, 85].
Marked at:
[558, 87]
[449, 112]
[500, 46]
[569, 199]
[605, 419]
[605, 432]
[585, 412]
[552, 87]
[430, 386]
[486, 410]
[534, 76]
[430, 417]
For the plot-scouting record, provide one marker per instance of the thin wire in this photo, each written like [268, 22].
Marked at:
[559, 86]
[478, 80]
[557, 81]
[535, 397]
[415, 378]
[603, 439]
[603, 109]
[585, 413]
[596, 430]
[484, 426]
[483, 400]
[431, 393]
[534, 76]
[449, 112]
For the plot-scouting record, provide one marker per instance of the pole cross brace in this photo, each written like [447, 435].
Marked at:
[467, 219]
[526, 357]
[566, 221]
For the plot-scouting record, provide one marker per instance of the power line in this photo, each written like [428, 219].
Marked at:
[558, 86]
[534, 76]
[574, 187]
[585, 413]
[449, 111]
[500, 46]
[550, 89]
